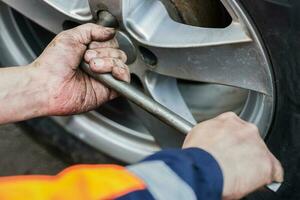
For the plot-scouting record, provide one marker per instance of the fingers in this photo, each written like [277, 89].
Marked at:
[107, 44]
[121, 73]
[106, 65]
[87, 33]
[245, 159]
[277, 173]
[248, 129]
[104, 56]
[230, 116]
[105, 53]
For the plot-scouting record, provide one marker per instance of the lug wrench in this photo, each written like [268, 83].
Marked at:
[144, 101]
[148, 104]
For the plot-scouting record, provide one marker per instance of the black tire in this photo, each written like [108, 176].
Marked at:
[66, 146]
[278, 21]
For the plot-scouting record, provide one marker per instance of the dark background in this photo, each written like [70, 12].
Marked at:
[20, 154]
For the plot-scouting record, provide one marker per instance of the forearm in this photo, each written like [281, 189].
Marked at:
[174, 174]
[23, 95]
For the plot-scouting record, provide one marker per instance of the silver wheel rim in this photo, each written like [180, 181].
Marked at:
[236, 45]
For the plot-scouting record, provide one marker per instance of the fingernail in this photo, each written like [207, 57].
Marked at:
[91, 54]
[98, 62]
[93, 46]
[122, 70]
[110, 30]
[122, 66]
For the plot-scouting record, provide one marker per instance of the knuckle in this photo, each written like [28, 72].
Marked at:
[230, 115]
[102, 53]
[87, 26]
[63, 34]
[115, 62]
[106, 62]
[243, 137]
[123, 55]
[253, 128]
[82, 27]
[93, 45]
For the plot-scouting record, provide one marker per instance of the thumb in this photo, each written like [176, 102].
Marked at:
[91, 32]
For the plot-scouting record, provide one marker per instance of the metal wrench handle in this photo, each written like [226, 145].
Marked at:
[142, 100]
[153, 107]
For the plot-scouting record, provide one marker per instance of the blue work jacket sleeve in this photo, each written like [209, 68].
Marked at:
[178, 174]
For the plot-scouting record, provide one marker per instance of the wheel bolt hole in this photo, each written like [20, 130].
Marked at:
[148, 56]
[136, 82]
[67, 24]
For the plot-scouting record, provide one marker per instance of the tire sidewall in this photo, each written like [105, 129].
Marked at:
[278, 22]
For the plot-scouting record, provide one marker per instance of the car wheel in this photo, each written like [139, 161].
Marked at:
[199, 58]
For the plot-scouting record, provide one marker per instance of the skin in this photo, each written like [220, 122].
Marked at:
[244, 158]
[54, 85]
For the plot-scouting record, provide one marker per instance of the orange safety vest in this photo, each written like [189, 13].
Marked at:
[89, 182]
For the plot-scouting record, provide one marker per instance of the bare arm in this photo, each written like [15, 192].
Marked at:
[22, 94]
[54, 85]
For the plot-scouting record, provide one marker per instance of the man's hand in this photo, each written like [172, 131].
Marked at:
[246, 162]
[70, 90]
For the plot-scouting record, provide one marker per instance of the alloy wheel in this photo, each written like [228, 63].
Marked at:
[193, 66]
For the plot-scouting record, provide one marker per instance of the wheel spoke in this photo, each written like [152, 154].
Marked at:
[225, 56]
[168, 138]
[150, 24]
[165, 91]
[76, 9]
[236, 65]
[52, 14]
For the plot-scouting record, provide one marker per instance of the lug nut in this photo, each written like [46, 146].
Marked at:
[106, 19]
[148, 56]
